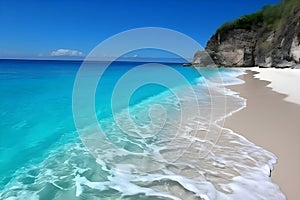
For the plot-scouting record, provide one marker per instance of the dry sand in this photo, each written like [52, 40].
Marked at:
[285, 81]
[273, 124]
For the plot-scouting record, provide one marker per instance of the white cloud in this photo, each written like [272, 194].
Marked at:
[66, 52]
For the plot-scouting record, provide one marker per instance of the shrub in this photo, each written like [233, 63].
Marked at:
[269, 17]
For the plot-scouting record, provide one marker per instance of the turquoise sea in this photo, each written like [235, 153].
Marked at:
[164, 142]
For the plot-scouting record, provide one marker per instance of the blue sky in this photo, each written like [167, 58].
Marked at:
[37, 29]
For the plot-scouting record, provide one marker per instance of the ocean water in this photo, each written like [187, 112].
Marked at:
[164, 142]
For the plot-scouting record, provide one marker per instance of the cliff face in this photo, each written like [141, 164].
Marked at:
[234, 48]
[251, 42]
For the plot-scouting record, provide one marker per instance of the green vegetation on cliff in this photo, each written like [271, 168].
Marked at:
[269, 17]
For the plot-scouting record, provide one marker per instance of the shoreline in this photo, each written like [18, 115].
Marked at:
[272, 123]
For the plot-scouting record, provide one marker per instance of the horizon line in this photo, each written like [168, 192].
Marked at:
[83, 60]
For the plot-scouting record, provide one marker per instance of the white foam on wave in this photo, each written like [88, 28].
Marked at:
[225, 78]
[124, 181]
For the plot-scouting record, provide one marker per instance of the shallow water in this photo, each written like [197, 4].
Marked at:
[168, 144]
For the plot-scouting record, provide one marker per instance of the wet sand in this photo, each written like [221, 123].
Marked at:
[274, 124]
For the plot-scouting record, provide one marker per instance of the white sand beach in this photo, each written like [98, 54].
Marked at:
[284, 81]
[271, 120]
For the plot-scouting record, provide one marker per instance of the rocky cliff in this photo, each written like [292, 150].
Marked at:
[268, 38]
